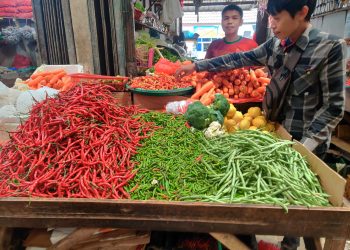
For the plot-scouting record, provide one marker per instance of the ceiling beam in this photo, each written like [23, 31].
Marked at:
[223, 3]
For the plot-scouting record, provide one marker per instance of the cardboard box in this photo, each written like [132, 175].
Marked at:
[330, 180]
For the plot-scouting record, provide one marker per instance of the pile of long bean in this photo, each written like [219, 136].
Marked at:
[169, 162]
[260, 169]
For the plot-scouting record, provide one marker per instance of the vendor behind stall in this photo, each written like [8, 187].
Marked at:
[231, 20]
[306, 93]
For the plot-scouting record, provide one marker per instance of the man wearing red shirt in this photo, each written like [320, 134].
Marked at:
[232, 19]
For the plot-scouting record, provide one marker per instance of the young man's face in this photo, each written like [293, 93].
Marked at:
[231, 21]
[283, 25]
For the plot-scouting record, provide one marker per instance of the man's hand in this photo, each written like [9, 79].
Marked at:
[185, 70]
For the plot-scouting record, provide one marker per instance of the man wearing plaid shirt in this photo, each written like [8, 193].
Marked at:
[314, 102]
[314, 99]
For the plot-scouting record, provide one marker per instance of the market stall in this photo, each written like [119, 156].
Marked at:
[194, 155]
[161, 210]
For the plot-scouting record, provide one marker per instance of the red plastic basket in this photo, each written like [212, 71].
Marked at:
[118, 82]
[137, 14]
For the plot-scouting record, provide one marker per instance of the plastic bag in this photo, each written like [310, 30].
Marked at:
[8, 96]
[167, 67]
[27, 99]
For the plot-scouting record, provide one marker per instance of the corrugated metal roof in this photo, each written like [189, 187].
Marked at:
[213, 2]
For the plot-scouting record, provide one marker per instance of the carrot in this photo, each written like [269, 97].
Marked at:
[205, 99]
[261, 90]
[250, 90]
[255, 93]
[264, 80]
[253, 78]
[205, 88]
[66, 79]
[241, 95]
[237, 82]
[198, 86]
[243, 89]
[35, 81]
[53, 80]
[231, 92]
[45, 73]
[259, 73]
[226, 83]
[226, 95]
[225, 89]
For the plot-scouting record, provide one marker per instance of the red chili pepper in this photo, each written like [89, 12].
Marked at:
[78, 145]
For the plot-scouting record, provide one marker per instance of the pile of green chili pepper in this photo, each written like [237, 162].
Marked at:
[169, 162]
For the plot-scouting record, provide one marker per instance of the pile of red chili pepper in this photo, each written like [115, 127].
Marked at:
[77, 145]
[158, 82]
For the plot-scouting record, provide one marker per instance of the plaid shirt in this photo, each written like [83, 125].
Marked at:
[315, 101]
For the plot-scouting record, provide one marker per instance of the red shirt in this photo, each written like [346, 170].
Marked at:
[220, 47]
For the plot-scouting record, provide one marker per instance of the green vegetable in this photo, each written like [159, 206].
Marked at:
[168, 54]
[139, 6]
[169, 163]
[216, 115]
[261, 169]
[220, 103]
[198, 115]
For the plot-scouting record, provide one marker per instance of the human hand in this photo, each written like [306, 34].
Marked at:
[185, 70]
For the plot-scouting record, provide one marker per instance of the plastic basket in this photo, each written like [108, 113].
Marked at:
[118, 82]
[144, 57]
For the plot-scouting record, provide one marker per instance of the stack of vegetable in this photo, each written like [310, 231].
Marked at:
[259, 168]
[158, 82]
[77, 145]
[57, 79]
[253, 119]
[236, 85]
[248, 166]
[200, 116]
[169, 164]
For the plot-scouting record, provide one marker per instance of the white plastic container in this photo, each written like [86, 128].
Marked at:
[70, 69]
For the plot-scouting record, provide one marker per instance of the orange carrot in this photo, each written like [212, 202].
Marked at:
[261, 90]
[45, 73]
[35, 81]
[226, 83]
[198, 86]
[231, 91]
[205, 88]
[253, 76]
[264, 80]
[226, 95]
[259, 73]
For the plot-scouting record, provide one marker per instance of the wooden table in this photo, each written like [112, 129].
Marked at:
[330, 222]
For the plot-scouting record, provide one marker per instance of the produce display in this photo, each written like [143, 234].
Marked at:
[83, 144]
[248, 166]
[158, 82]
[57, 79]
[237, 85]
[78, 145]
